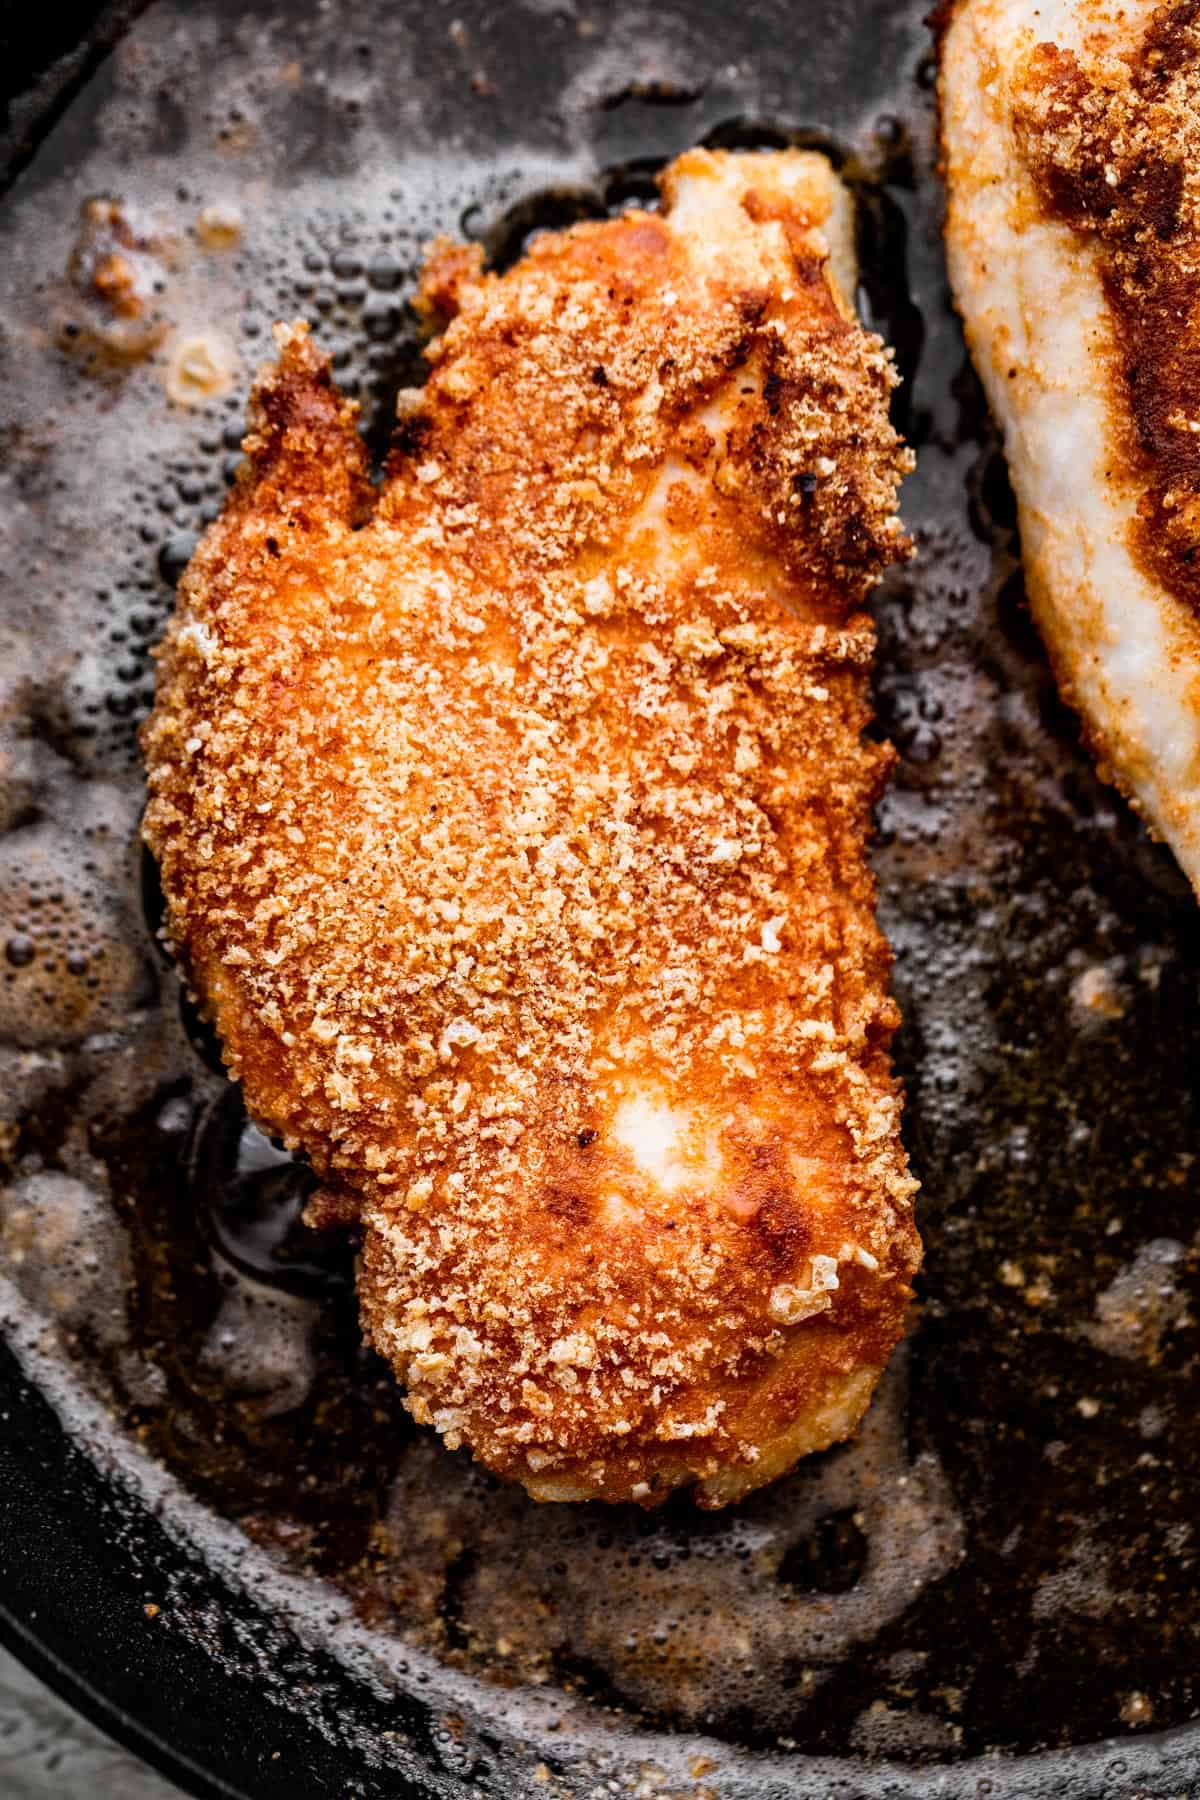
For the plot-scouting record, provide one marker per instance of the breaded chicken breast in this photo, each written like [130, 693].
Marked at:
[512, 822]
[1071, 135]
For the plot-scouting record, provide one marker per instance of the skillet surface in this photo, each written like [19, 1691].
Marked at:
[221, 1536]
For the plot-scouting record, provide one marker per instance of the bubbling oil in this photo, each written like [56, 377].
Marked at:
[1014, 1508]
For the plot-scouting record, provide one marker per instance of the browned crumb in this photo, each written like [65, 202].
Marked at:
[512, 826]
[1113, 141]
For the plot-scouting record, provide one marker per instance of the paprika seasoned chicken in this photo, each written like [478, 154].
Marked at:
[512, 821]
[1071, 137]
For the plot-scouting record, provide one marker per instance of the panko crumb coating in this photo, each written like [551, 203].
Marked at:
[512, 819]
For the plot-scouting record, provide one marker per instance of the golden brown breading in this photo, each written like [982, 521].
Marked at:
[1113, 143]
[512, 826]
[1071, 132]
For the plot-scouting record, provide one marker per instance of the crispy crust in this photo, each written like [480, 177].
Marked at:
[1113, 143]
[515, 841]
[1072, 163]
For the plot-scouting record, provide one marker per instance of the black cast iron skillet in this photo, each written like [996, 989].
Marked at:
[220, 1538]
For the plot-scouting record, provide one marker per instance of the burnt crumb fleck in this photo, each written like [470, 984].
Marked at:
[115, 275]
[412, 434]
[660, 92]
[585, 1138]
